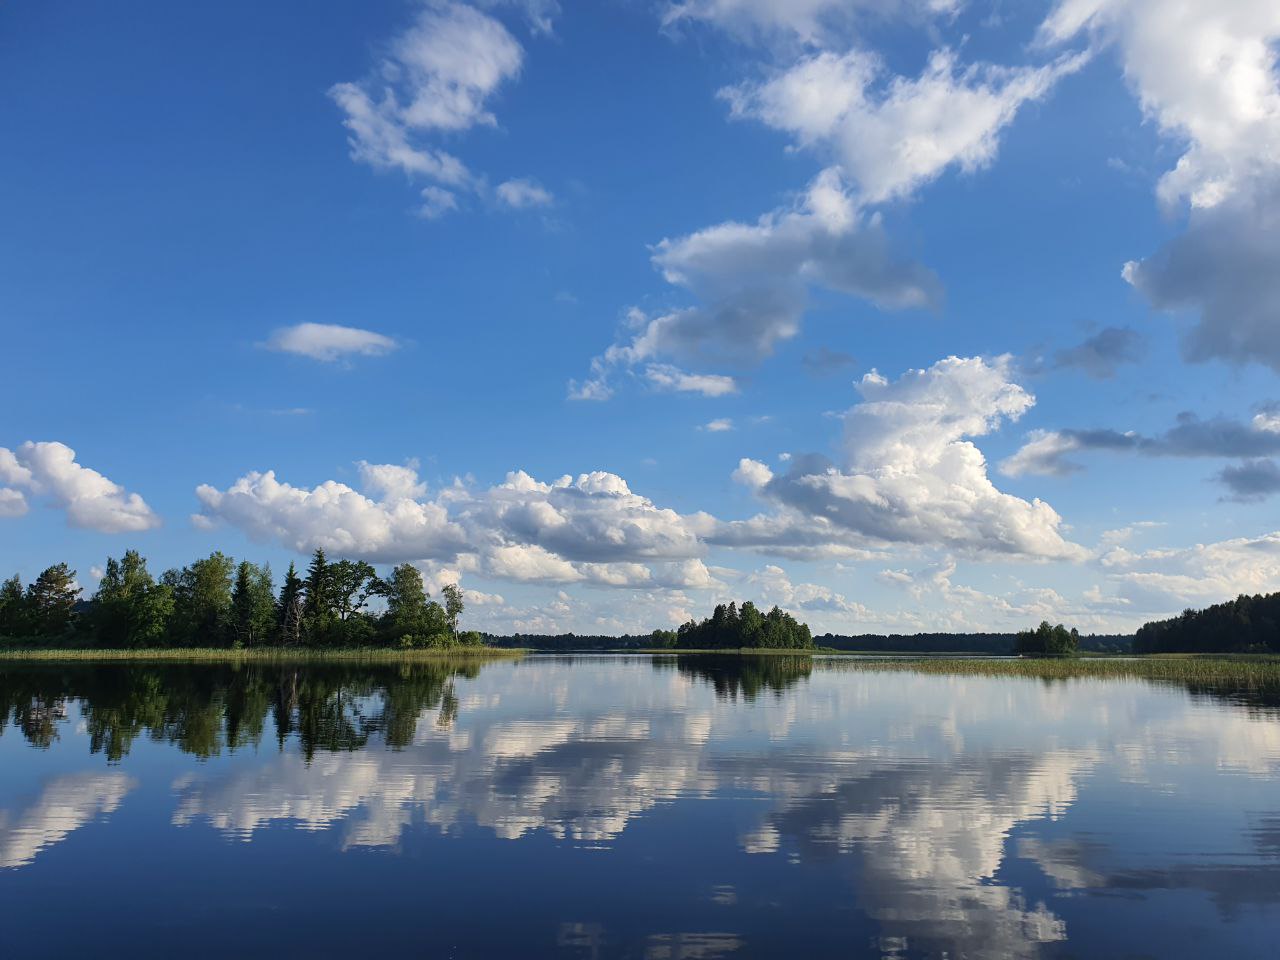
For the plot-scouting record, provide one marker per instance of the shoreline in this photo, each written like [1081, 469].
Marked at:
[259, 655]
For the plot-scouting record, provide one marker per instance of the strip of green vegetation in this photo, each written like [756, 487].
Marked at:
[1217, 670]
[265, 655]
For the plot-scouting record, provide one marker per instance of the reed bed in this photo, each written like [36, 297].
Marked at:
[1243, 670]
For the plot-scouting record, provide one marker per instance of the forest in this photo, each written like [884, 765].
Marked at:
[1248, 624]
[216, 602]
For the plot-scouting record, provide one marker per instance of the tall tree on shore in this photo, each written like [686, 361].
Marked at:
[452, 606]
[130, 609]
[253, 605]
[51, 601]
[202, 602]
[289, 609]
[13, 609]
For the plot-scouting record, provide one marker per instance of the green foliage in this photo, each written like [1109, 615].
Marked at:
[13, 609]
[662, 639]
[1244, 625]
[253, 606]
[50, 603]
[1047, 641]
[290, 609]
[729, 628]
[130, 609]
[216, 603]
[411, 619]
[452, 605]
[201, 603]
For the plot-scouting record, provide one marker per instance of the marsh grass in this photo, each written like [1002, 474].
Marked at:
[266, 655]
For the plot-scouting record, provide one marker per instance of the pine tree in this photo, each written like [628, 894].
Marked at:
[289, 608]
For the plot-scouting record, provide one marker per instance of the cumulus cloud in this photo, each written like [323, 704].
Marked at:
[1205, 73]
[328, 342]
[590, 529]
[91, 501]
[436, 78]
[1049, 453]
[1101, 354]
[909, 475]
[892, 136]
[335, 517]
[1169, 579]
[773, 585]
[753, 279]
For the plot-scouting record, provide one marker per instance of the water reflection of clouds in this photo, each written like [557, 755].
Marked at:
[912, 785]
[65, 804]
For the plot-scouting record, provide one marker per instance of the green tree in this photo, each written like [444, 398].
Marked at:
[13, 609]
[130, 609]
[411, 619]
[452, 606]
[202, 602]
[1047, 641]
[253, 606]
[51, 602]
[289, 609]
[352, 583]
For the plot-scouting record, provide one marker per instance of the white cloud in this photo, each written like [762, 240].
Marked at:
[666, 377]
[592, 529]
[812, 22]
[909, 476]
[753, 280]
[436, 202]
[892, 138]
[1169, 579]
[12, 503]
[774, 586]
[329, 341]
[522, 194]
[390, 482]
[1205, 73]
[335, 517]
[719, 425]
[91, 501]
[435, 79]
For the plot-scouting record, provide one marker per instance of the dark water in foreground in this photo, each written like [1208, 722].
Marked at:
[626, 807]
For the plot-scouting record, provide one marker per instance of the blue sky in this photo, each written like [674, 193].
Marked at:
[904, 314]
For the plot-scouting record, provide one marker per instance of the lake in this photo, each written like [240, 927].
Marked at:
[693, 807]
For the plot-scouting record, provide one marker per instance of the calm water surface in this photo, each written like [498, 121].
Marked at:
[670, 808]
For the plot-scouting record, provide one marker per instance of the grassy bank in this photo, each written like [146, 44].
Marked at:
[264, 655]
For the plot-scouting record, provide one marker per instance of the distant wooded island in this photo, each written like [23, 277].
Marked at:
[218, 603]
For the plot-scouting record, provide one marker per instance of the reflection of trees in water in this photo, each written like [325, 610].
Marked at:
[211, 708]
[740, 676]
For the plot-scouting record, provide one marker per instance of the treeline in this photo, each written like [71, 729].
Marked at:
[216, 602]
[1248, 624]
[993, 643]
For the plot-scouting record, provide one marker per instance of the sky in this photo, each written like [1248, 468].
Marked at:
[904, 315]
